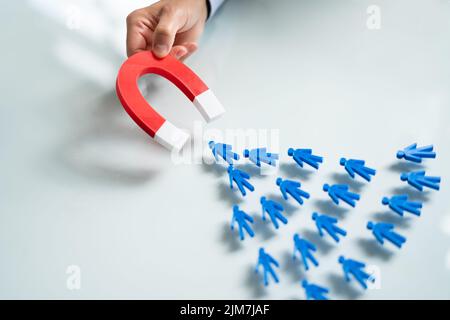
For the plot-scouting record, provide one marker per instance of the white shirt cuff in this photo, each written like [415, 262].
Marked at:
[215, 4]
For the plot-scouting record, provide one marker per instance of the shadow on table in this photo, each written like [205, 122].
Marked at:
[252, 170]
[231, 196]
[263, 229]
[374, 249]
[330, 208]
[289, 208]
[342, 288]
[292, 170]
[323, 246]
[102, 149]
[413, 194]
[391, 217]
[293, 268]
[344, 178]
[401, 167]
[254, 282]
[215, 169]
[231, 238]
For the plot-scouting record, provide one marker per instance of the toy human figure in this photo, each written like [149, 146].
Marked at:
[304, 247]
[224, 151]
[355, 268]
[400, 203]
[266, 261]
[240, 178]
[242, 219]
[274, 210]
[353, 166]
[306, 156]
[261, 155]
[340, 191]
[293, 189]
[414, 154]
[329, 224]
[419, 180]
[383, 231]
[314, 292]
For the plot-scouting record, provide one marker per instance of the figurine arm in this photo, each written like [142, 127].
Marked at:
[275, 262]
[244, 174]
[248, 218]
[278, 206]
[334, 197]
[230, 176]
[233, 219]
[284, 193]
[311, 246]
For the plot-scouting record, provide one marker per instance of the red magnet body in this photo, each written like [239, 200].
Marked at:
[163, 131]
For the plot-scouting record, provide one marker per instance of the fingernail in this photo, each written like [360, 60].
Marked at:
[180, 54]
[161, 49]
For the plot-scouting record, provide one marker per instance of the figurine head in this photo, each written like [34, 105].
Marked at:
[404, 176]
[326, 187]
[261, 251]
[385, 201]
[211, 144]
[296, 237]
[400, 154]
[370, 225]
[304, 283]
[230, 168]
[235, 207]
[290, 152]
[315, 215]
[341, 259]
[279, 181]
[342, 161]
[262, 200]
[246, 153]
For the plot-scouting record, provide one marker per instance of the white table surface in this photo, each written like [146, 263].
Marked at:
[82, 185]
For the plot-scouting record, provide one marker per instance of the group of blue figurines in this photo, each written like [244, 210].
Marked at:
[305, 249]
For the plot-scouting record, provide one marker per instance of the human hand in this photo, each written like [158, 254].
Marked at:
[167, 27]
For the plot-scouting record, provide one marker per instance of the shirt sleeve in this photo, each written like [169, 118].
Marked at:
[213, 6]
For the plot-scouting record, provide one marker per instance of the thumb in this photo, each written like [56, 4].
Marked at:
[166, 30]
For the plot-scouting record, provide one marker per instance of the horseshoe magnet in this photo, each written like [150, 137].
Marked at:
[160, 129]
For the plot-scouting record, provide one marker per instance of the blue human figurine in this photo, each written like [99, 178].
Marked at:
[354, 166]
[414, 154]
[305, 156]
[260, 155]
[273, 209]
[327, 223]
[304, 248]
[224, 151]
[314, 292]
[341, 192]
[242, 219]
[400, 204]
[382, 231]
[266, 261]
[240, 178]
[292, 188]
[356, 269]
[419, 180]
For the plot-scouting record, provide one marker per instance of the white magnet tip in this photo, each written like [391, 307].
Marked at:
[208, 105]
[171, 137]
